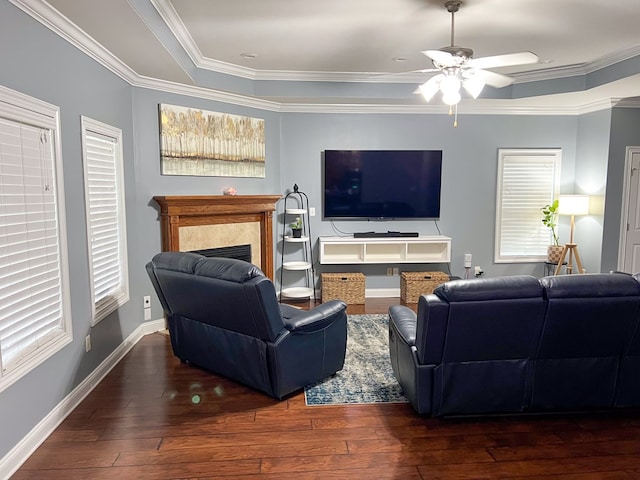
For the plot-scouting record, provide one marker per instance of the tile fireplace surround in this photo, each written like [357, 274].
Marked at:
[201, 222]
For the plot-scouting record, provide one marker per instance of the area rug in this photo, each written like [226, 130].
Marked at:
[367, 376]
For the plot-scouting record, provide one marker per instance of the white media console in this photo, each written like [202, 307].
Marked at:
[349, 250]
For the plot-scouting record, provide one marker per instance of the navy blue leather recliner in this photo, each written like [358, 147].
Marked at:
[470, 347]
[518, 344]
[223, 315]
[588, 326]
[628, 387]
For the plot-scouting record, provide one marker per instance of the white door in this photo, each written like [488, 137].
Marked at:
[630, 238]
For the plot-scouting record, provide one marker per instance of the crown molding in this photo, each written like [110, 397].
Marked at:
[612, 59]
[627, 102]
[206, 94]
[577, 69]
[492, 108]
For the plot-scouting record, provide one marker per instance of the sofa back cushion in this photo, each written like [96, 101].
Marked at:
[227, 293]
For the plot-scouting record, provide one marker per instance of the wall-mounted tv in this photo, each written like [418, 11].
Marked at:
[382, 184]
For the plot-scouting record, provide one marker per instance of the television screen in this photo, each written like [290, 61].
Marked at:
[382, 184]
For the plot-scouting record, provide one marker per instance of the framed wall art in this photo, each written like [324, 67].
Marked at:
[204, 143]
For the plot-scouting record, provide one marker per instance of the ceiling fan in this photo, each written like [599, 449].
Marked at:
[458, 68]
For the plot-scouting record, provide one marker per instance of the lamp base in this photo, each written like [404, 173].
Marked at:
[572, 250]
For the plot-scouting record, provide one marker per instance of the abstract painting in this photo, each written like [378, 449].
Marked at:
[204, 143]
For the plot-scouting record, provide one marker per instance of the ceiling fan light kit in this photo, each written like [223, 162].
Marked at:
[458, 68]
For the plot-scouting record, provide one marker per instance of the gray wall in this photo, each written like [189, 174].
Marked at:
[625, 131]
[590, 178]
[39, 63]
[470, 159]
[151, 183]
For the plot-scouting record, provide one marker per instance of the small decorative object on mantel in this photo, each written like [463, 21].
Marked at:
[550, 220]
[229, 191]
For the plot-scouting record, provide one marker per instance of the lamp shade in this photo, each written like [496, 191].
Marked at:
[573, 205]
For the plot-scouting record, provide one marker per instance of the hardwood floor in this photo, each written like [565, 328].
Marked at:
[155, 418]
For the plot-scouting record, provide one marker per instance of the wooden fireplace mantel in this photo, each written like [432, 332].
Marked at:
[199, 210]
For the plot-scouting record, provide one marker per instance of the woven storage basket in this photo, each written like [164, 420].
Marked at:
[414, 284]
[348, 287]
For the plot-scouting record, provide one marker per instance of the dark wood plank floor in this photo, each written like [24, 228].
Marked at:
[155, 418]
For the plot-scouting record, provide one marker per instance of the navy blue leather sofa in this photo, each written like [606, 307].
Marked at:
[223, 315]
[518, 344]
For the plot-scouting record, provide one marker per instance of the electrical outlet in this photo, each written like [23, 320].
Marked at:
[147, 314]
[87, 343]
[312, 211]
[389, 271]
[467, 260]
[396, 271]
[146, 302]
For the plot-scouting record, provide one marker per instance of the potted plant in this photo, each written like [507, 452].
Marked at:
[296, 228]
[550, 220]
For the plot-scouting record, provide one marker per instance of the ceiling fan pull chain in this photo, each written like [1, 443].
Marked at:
[454, 113]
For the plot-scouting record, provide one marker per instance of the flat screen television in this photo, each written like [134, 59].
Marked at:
[382, 184]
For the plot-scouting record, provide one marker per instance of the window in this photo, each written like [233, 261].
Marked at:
[104, 205]
[527, 181]
[35, 314]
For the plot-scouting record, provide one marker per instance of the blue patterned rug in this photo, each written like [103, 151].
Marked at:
[367, 376]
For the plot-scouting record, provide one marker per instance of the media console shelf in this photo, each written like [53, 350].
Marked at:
[349, 250]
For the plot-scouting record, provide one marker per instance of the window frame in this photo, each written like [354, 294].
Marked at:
[19, 108]
[525, 155]
[102, 308]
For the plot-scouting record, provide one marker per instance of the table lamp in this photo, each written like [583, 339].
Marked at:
[572, 205]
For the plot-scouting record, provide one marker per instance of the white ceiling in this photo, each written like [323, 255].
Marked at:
[201, 43]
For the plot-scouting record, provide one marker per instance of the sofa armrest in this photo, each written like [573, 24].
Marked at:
[405, 322]
[317, 318]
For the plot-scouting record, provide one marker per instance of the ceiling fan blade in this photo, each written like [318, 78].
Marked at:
[507, 60]
[429, 88]
[441, 58]
[406, 72]
[426, 70]
[496, 80]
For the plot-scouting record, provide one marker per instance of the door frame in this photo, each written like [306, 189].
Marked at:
[624, 216]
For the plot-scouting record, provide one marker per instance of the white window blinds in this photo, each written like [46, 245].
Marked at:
[527, 181]
[34, 306]
[104, 198]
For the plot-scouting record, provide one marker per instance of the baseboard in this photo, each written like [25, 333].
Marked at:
[25, 448]
[382, 292]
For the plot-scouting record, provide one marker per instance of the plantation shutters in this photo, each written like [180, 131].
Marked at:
[527, 181]
[104, 199]
[35, 319]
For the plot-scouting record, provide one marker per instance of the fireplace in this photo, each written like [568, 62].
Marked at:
[240, 252]
[191, 223]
